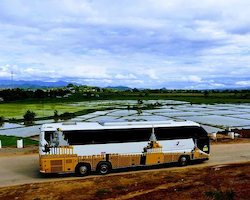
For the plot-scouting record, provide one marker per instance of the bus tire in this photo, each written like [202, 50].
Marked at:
[183, 160]
[104, 168]
[82, 169]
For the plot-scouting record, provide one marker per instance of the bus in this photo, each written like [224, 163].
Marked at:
[82, 147]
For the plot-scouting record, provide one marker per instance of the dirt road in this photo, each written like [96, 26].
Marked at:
[15, 170]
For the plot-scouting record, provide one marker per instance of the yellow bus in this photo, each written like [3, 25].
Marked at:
[82, 147]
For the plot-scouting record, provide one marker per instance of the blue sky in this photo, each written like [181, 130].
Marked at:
[186, 44]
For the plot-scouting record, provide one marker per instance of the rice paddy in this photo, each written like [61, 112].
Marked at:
[215, 116]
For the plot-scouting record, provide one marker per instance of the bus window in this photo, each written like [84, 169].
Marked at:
[203, 144]
[107, 136]
[48, 135]
[55, 138]
[179, 132]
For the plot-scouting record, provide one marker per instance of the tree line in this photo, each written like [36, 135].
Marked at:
[84, 92]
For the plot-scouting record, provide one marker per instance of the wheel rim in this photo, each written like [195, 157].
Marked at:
[183, 160]
[83, 169]
[104, 169]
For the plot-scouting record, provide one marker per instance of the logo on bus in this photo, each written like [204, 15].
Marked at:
[177, 143]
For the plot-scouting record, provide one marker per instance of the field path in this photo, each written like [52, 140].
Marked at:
[15, 170]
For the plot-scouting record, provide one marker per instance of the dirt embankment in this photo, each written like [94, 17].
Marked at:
[12, 151]
[217, 182]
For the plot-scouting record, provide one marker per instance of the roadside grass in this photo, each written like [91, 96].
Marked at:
[220, 195]
[119, 187]
[101, 192]
[8, 141]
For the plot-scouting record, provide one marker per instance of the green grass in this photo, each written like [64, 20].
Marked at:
[101, 192]
[12, 141]
[17, 110]
[45, 109]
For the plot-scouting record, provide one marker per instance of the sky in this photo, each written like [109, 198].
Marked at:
[176, 44]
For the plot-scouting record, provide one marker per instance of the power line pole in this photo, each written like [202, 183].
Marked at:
[11, 79]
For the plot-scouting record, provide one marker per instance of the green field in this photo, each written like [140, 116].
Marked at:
[45, 109]
[12, 141]
[17, 110]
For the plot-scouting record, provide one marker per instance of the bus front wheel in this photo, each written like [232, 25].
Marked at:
[183, 160]
[104, 168]
[82, 169]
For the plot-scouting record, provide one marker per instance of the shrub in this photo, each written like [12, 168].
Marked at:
[119, 187]
[219, 195]
[29, 117]
[67, 115]
[56, 116]
[101, 192]
[139, 101]
[13, 120]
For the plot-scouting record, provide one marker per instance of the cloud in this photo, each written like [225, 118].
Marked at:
[192, 78]
[129, 76]
[150, 73]
[144, 43]
[243, 83]
[5, 68]
[4, 71]
[85, 71]
[216, 85]
[33, 71]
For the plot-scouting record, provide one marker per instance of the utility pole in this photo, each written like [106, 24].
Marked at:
[11, 79]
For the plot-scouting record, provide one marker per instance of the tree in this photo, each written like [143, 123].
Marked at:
[1, 119]
[206, 93]
[39, 94]
[56, 114]
[135, 90]
[70, 85]
[29, 117]
[67, 115]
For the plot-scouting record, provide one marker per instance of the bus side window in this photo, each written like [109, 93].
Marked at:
[48, 135]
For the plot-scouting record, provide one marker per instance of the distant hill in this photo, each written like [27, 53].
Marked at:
[119, 87]
[41, 84]
[31, 84]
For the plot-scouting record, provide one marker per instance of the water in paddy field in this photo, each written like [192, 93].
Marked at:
[102, 118]
[242, 116]
[22, 131]
[9, 126]
[216, 120]
[144, 118]
[163, 110]
[181, 114]
[120, 113]
[211, 116]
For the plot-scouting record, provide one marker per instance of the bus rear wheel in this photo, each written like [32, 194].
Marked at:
[104, 168]
[82, 169]
[183, 160]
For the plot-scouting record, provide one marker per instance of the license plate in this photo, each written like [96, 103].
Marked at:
[205, 148]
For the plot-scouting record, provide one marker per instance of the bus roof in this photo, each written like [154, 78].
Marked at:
[68, 126]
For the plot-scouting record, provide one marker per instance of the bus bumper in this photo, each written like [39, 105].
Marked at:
[57, 163]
